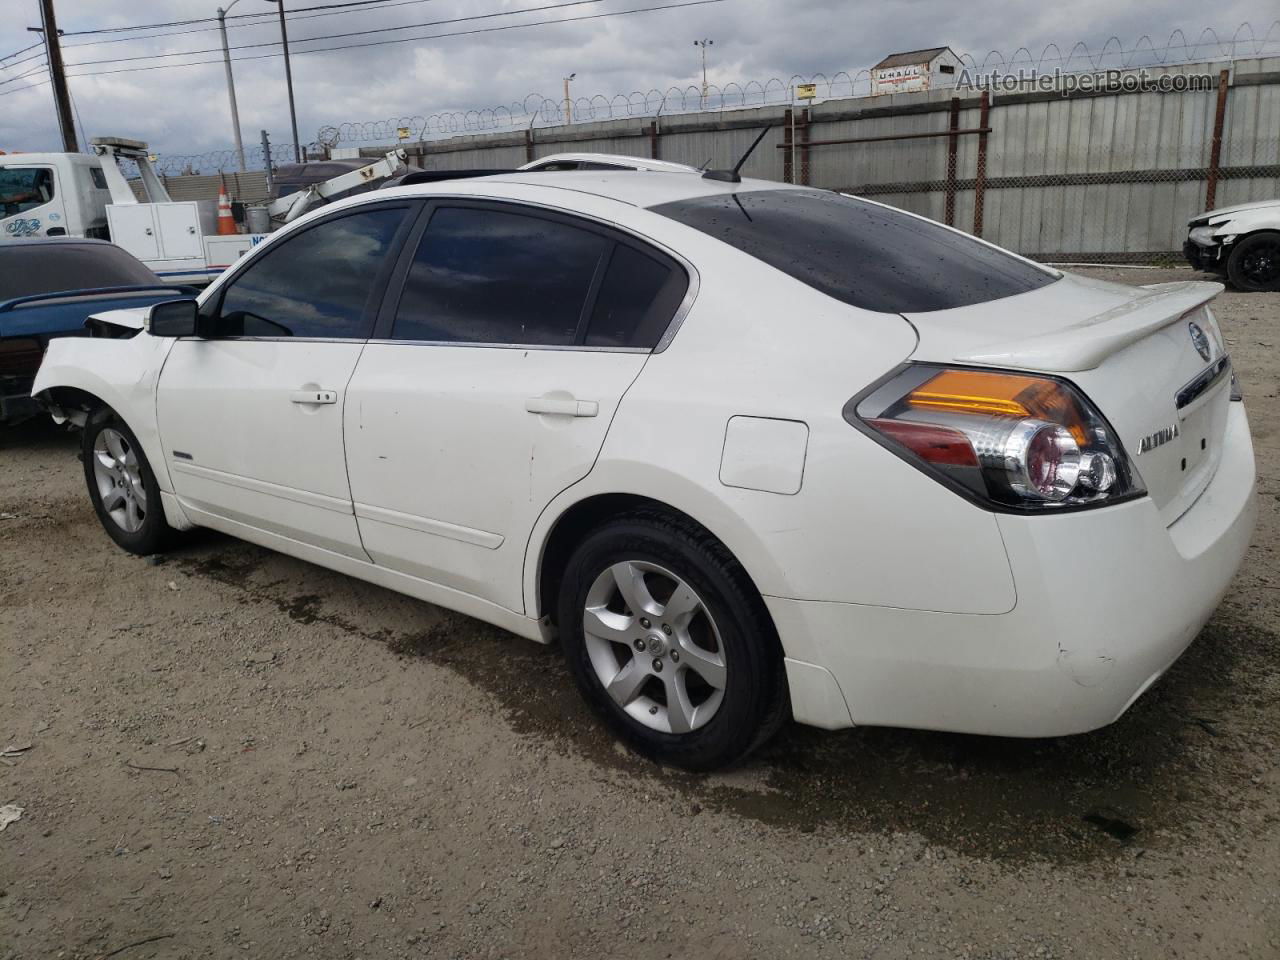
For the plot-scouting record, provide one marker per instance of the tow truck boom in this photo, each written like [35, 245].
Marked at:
[287, 209]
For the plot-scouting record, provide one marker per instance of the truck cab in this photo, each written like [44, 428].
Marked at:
[52, 195]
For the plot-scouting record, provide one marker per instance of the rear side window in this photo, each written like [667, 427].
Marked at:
[637, 298]
[489, 276]
[862, 254]
[316, 283]
[30, 269]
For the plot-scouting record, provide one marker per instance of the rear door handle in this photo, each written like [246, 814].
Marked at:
[562, 408]
[314, 396]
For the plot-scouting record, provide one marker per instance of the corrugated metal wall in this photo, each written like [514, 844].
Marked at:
[1109, 176]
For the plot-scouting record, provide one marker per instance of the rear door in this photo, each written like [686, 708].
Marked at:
[251, 418]
[491, 382]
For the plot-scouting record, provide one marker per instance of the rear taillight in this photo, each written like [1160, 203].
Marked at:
[1010, 440]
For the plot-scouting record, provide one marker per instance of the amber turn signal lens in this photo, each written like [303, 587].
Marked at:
[1000, 395]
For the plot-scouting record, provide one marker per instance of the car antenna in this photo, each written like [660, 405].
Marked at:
[731, 176]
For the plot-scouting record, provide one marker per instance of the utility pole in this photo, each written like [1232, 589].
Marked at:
[704, 44]
[288, 79]
[57, 73]
[231, 84]
[568, 104]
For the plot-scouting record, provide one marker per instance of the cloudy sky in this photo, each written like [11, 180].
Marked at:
[183, 109]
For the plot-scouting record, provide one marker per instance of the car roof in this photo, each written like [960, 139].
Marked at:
[638, 188]
[621, 160]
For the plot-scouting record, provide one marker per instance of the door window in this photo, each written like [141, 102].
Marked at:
[24, 188]
[317, 283]
[487, 276]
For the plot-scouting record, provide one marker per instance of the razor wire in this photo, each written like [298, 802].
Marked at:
[537, 110]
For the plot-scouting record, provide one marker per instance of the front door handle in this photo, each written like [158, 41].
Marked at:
[562, 408]
[314, 396]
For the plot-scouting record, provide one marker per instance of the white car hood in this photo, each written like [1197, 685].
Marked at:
[1258, 205]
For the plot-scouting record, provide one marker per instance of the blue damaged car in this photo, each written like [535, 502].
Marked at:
[48, 288]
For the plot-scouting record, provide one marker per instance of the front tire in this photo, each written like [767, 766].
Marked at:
[670, 643]
[122, 485]
[1254, 264]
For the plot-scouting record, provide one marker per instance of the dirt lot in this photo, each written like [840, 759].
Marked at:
[236, 754]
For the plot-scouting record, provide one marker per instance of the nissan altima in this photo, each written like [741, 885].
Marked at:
[748, 451]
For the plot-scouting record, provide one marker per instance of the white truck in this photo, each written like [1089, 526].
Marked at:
[82, 195]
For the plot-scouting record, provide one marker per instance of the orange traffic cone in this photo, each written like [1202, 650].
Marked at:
[226, 222]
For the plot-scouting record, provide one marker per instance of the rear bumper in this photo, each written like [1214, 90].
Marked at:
[1106, 601]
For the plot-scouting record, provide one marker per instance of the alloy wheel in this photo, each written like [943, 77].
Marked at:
[1261, 264]
[119, 478]
[654, 646]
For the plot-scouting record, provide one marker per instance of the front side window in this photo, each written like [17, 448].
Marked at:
[860, 253]
[318, 283]
[24, 188]
[488, 276]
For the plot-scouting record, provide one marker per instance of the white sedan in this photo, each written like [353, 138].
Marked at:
[750, 451]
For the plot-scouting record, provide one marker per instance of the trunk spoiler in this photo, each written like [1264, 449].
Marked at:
[1084, 345]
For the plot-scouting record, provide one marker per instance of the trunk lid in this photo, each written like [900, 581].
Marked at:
[1131, 350]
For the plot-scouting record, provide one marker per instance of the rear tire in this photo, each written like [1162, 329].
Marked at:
[122, 485]
[1254, 264]
[694, 677]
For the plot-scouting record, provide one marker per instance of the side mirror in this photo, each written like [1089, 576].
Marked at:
[173, 318]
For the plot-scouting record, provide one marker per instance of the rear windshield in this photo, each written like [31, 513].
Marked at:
[869, 256]
[29, 269]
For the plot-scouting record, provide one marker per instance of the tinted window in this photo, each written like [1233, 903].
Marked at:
[98, 178]
[631, 310]
[486, 276]
[30, 269]
[316, 283]
[866, 255]
[23, 188]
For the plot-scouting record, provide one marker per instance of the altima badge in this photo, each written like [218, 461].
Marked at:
[1160, 437]
[1200, 341]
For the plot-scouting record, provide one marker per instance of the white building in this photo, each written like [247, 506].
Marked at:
[915, 70]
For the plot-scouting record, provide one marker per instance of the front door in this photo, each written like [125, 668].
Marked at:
[491, 384]
[30, 202]
[251, 416]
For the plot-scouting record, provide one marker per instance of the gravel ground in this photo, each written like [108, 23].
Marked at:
[233, 753]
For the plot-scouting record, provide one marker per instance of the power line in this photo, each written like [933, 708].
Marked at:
[29, 73]
[290, 16]
[339, 36]
[33, 86]
[10, 56]
[333, 7]
[17, 63]
[434, 36]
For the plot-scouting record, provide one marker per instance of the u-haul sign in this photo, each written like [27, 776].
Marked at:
[905, 79]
